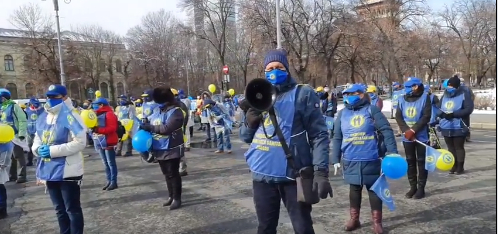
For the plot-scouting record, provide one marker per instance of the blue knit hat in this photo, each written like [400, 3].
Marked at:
[277, 56]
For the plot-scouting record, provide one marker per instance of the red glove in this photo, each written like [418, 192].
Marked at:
[410, 134]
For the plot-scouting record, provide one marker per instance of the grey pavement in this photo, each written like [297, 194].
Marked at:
[218, 199]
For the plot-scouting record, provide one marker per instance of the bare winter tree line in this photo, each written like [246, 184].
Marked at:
[328, 42]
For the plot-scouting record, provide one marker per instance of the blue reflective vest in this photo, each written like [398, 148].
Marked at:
[359, 136]
[99, 140]
[412, 112]
[449, 105]
[51, 169]
[7, 116]
[161, 142]
[396, 97]
[124, 112]
[266, 156]
[148, 109]
[32, 118]
[329, 121]
[433, 111]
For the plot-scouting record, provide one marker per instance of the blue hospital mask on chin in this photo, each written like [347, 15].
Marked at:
[408, 90]
[276, 76]
[451, 90]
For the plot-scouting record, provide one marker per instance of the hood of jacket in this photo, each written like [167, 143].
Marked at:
[104, 109]
[56, 109]
[207, 93]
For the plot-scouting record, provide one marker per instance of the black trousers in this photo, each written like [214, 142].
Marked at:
[355, 192]
[170, 169]
[415, 157]
[456, 145]
[267, 199]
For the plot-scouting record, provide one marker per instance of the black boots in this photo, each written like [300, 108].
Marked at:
[3, 213]
[175, 192]
[459, 168]
[106, 186]
[113, 185]
[422, 180]
[417, 177]
[412, 178]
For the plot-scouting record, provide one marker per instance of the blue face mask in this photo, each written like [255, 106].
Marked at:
[408, 90]
[95, 106]
[123, 103]
[276, 76]
[450, 89]
[351, 99]
[54, 102]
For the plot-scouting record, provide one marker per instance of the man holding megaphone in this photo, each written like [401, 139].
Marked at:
[289, 154]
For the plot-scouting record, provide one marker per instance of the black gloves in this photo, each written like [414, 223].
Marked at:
[244, 105]
[146, 127]
[322, 185]
[253, 118]
[448, 116]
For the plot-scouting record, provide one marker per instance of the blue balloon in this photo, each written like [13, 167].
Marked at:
[394, 166]
[142, 141]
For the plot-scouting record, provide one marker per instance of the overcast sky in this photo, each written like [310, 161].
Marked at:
[116, 15]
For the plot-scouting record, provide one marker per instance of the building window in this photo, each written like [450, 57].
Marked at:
[9, 63]
[102, 65]
[119, 67]
[13, 90]
[120, 88]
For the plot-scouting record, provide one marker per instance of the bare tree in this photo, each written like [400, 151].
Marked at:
[41, 58]
[473, 22]
[243, 50]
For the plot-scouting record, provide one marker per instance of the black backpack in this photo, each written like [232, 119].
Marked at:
[120, 130]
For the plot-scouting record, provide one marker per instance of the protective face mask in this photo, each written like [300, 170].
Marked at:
[408, 90]
[95, 106]
[351, 99]
[451, 90]
[85, 106]
[276, 76]
[54, 102]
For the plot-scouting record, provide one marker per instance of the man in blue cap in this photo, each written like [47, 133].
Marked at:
[32, 111]
[274, 172]
[13, 115]
[413, 116]
[125, 110]
[60, 137]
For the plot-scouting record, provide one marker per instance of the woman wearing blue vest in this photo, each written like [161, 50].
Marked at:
[358, 130]
[455, 105]
[166, 124]
[34, 110]
[125, 110]
[59, 147]
[298, 113]
[413, 116]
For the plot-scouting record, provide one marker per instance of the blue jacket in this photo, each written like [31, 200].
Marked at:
[367, 172]
[459, 113]
[308, 117]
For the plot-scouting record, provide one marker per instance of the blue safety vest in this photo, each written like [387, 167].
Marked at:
[51, 169]
[230, 108]
[32, 117]
[359, 138]
[329, 121]
[149, 108]
[396, 97]
[161, 142]
[193, 105]
[6, 147]
[100, 140]
[412, 112]
[449, 105]
[374, 100]
[266, 156]
[124, 112]
[225, 121]
[7, 117]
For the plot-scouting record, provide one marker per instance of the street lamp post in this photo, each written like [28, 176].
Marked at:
[279, 24]
[59, 42]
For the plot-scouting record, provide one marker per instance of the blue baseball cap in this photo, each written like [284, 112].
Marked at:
[55, 90]
[102, 101]
[412, 81]
[4, 93]
[355, 88]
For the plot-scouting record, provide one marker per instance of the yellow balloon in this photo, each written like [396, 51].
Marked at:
[89, 118]
[125, 137]
[446, 161]
[231, 92]
[7, 133]
[212, 88]
[98, 94]
[127, 124]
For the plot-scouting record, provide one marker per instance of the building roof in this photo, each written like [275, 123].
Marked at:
[65, 35]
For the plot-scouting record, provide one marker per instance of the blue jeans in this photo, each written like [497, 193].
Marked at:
[223, 140]
[109, 159]
[65, 196]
